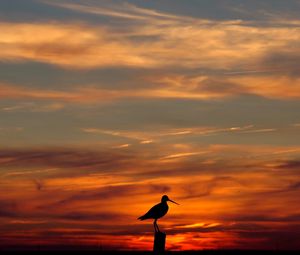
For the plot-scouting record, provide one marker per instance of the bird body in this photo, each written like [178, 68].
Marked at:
[157, 211]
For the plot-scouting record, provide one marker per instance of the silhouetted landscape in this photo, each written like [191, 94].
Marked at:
[95, 251]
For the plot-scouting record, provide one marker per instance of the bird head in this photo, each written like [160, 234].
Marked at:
[165, 198]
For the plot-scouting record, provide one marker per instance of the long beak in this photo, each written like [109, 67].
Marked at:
[173, 202]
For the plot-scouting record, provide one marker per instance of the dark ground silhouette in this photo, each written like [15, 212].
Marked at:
[81, 251]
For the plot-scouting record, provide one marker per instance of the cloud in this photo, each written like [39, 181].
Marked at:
[289, 164]
[39, 184]
[87, 216]
[269, 85]
[33, 107]
[7, 209]
[73, 45]
[205, 188]
[14, 92]
[77, 45]
[295, 186]
[110, 192]
[122, 11]
[284, 61]
[275, 86]
[166, 134]
[88, 94]
[198, 225]
[7, 130]
[262, 62]
[184, 154]
[263, 218]
[62, 158]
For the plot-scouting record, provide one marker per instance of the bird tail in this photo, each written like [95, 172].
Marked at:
[142, 217]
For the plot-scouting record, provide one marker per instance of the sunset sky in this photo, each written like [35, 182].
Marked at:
[106, 105]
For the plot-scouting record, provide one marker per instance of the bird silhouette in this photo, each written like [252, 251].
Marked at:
[158, 211]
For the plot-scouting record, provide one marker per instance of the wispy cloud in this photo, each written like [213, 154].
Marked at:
[164, 41]
[199, 225]
[64, 158]
[278, 86]
[160, 134]
[184, 154]
[73, 45]
[78, 45]
[89, 94]
[33, 107]
[264, 130]
[123, 11]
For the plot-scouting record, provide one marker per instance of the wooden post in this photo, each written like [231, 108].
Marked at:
[159, 243]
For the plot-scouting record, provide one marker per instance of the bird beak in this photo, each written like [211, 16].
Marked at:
[173, 202]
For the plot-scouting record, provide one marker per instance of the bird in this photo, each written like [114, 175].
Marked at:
[158, 211]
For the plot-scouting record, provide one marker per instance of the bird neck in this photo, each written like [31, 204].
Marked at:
[164, 202]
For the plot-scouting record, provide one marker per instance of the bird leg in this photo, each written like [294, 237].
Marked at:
[156, 228]
[154, 225]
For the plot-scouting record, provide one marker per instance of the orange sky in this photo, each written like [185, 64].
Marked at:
[230, 196]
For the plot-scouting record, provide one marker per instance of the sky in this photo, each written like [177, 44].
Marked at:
[105, 106]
